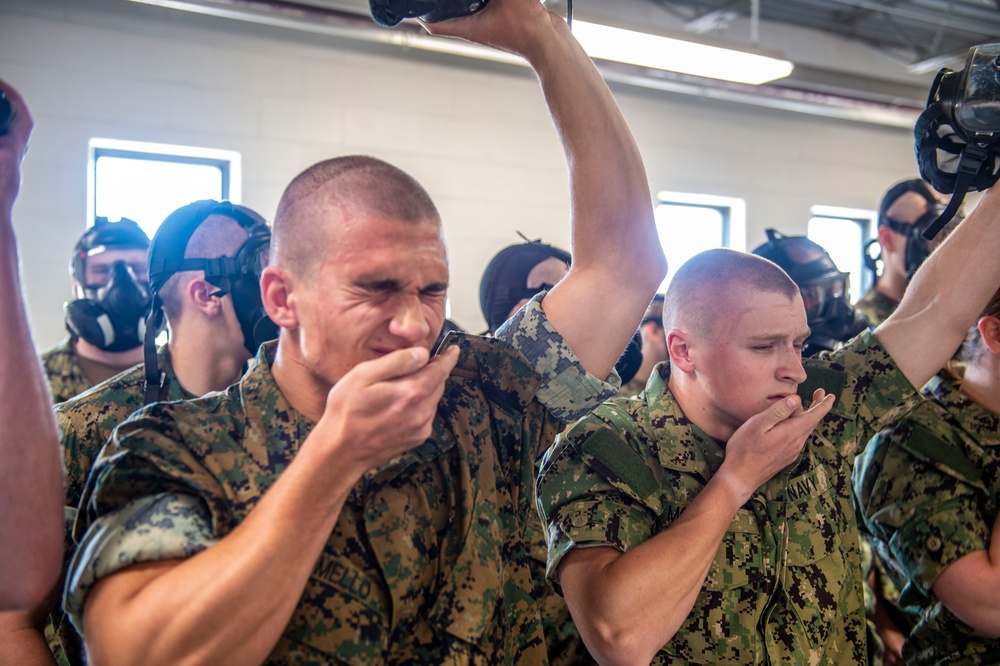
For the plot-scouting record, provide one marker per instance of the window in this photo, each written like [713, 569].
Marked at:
[844, 232]
[691, 223]
[145, 182]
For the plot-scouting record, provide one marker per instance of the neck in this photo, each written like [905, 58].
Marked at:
[201, 364]
[981, 383]
[129, 357]
[298, 384]
[695, 407]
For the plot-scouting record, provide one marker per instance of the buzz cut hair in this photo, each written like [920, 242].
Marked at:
[710, 281]
[218, 236]
[309, 207]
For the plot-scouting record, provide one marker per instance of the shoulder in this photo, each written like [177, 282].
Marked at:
[122, 392]
[195, 424]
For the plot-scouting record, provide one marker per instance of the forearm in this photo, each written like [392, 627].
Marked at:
[970, 587]
[22, 635]
[231, 602]
[631, 606]
[614, 237]
[31, 482]
[946, 295]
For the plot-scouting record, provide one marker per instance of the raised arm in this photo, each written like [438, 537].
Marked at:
[31, 484]
[617, 260]
[946, 295]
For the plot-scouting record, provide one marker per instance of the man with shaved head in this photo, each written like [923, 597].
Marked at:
[711, 519]
[206, 351]
[353, 499]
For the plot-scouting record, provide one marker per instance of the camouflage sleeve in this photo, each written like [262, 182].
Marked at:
[869, 386]
[567, 390]
[159, 527]
[594, 490]
[77, 456]
[927, 517]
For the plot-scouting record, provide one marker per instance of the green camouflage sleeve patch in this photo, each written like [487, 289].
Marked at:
[567, 390]
[152, 529]
[590, 492]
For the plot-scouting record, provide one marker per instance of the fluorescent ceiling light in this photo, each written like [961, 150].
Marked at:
[675, 55]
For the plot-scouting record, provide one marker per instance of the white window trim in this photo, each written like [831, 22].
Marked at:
[96, 145]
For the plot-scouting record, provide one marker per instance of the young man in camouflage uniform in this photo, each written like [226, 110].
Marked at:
[927, 489]
[105, 335]
[680, 531]
[905, 204]
[352, 500]
[206, 352]
[30, 477]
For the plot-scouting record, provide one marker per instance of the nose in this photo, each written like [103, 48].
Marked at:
[409, 322]
[791, 369]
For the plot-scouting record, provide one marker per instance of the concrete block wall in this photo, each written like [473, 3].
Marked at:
[477, 136]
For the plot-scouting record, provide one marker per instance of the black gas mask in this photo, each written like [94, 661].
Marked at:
[111, 314]
[390, 12]
[832, 319]
[918, 247]
[237, 275]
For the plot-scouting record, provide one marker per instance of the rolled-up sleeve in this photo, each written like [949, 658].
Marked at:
[567, 390]
[160, 527]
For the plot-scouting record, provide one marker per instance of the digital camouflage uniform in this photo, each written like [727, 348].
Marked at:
[85, 425]
[928, 491]
[66, 377]
[427, 563]
[633, 388]
[876, 306]
[785, 584]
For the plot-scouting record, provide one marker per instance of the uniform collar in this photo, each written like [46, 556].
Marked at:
[681, 444]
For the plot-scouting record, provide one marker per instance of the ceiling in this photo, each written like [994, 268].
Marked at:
[862, 60]
[922, 33]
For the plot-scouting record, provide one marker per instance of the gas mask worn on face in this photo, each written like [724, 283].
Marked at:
[244, 285]
[832, 320]
[111, 316]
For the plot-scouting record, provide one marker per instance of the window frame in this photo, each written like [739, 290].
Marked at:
[227, 161]
[867, 221]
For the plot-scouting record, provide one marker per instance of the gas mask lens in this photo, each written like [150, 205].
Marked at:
[819, 298]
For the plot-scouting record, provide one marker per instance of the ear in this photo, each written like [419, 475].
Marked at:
[199, 293]
[887, 239]
[679, 349]
[989, 329]
[276, 293]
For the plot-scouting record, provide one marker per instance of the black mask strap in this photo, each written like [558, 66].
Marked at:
[154, 378]
[970, 163]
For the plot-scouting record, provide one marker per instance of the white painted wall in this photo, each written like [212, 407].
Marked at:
[476, 135]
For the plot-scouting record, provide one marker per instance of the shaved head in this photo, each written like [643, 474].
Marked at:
[334, 193]
[706, 286]
[217, 236]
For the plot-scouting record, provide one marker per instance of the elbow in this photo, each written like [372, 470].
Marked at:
[619, 643]
[648, 267]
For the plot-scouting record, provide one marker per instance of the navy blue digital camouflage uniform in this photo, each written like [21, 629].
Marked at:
[927, 488]
[785, 585]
